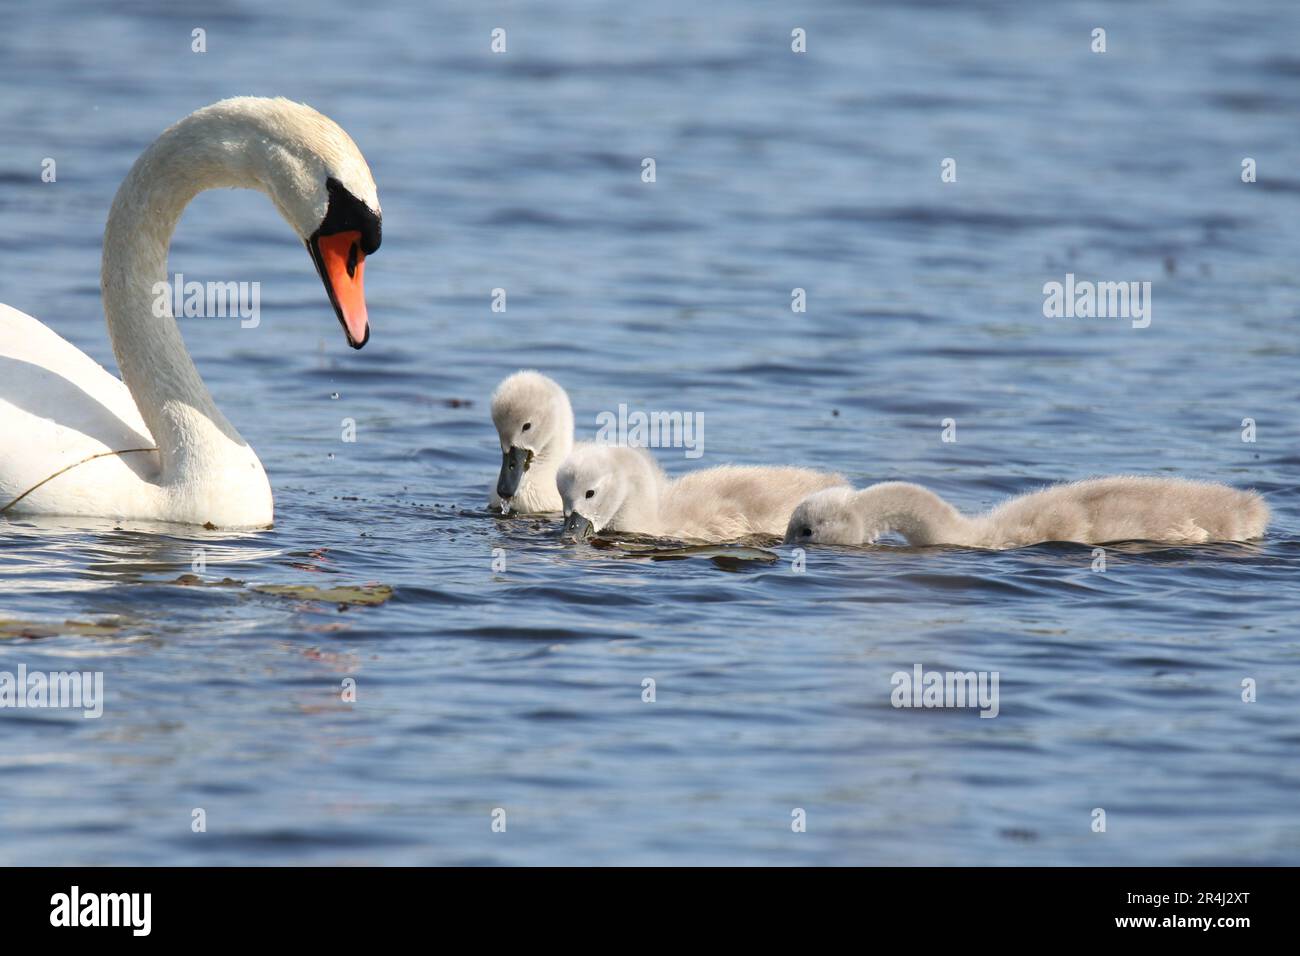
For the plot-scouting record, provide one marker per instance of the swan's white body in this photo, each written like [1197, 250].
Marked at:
[726, 503]
[532, 414]
[61, 412]
[74, 439]
[1096, 511]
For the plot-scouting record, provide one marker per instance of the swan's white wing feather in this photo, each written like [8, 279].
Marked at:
[58, 407]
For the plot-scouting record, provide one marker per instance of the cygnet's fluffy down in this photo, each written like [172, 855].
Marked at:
[534, 423]
[609, 488]
[1096, 511]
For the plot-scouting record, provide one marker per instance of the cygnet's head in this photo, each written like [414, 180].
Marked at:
[597, 481]
[534, 422]
[826, 517]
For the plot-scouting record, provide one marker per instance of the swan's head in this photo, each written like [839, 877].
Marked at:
[596, 482]
[826, 517]
[534, 422]
[319, 181]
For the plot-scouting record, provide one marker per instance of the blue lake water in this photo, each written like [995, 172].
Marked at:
[522, 689]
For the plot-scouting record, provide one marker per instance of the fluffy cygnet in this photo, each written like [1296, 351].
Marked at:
[534, 422]
[612, 488]
[1123, 508]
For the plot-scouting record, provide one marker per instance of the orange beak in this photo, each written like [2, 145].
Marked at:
[342, 265]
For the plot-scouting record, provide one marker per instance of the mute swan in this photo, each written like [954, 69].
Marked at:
[1168, 510]
[74, 439]
[607, 487]
[535, 424]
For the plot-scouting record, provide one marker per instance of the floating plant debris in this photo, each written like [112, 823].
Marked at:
[728, 557]
[364, 594]
[10, 628]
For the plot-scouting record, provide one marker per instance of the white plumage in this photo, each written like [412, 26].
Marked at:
[76, 440]
[532, 415]
[1096, 511]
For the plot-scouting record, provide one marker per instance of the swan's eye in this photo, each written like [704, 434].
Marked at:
[590, 493]
[806, 532]
[527, 425]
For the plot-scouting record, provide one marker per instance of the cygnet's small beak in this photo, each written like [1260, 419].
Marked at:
[513, 465]
[577, 528]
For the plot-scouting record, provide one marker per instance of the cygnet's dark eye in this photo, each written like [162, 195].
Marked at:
[591, 493]
[806, 532]
[527, 425]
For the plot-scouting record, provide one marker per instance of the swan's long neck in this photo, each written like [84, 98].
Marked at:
[916, 513]
[173, 401]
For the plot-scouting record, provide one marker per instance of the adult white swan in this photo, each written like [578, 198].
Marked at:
[74, 440]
